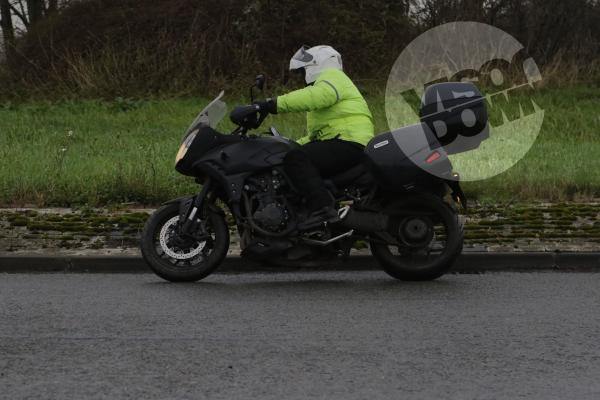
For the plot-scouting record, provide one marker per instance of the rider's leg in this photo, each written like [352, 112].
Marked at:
[305, 176]
[320, 159]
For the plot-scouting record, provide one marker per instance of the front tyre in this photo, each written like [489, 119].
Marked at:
[179, 259]
[427, 239]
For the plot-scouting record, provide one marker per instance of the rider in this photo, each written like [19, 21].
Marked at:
[339, 125]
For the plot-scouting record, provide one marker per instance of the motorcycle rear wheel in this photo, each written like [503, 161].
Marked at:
[414, 261]
[191, 261]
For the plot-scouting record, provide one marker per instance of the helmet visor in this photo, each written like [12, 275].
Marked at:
[302, 55]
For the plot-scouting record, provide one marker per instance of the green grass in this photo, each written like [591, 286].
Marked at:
[98, 152]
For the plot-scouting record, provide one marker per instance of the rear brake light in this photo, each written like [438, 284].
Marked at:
[432, 157]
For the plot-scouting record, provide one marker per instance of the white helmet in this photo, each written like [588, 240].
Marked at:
[314, 60]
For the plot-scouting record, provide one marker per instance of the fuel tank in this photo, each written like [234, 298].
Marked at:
[250, 154]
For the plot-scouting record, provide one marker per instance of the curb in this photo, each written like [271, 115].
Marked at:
[471, 262]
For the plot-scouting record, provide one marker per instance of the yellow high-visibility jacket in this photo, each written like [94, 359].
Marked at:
[335, 109]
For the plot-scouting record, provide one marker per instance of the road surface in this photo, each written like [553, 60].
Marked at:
[329, 335]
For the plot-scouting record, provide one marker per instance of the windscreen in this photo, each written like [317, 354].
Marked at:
[212, 114]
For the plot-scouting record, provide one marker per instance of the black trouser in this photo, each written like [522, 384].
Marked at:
[307, 166]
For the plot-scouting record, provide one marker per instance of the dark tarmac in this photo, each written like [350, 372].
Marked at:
[329, 335]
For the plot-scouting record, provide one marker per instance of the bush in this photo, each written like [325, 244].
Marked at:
[115, 48]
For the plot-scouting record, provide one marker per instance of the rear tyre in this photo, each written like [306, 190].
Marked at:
[177, 259]
[429, 239]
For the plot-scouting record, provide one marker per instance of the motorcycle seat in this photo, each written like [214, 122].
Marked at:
[358, 176]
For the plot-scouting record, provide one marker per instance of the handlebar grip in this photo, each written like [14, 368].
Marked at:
[241, 115]
[248, 116]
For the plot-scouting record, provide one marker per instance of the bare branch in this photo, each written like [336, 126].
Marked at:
[21, 14]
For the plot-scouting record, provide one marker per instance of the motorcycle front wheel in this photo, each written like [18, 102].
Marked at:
[179, 259]
[425, 242]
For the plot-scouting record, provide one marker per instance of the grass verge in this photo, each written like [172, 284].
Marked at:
[98, 152]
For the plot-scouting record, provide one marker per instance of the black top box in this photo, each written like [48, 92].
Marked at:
[456, 113]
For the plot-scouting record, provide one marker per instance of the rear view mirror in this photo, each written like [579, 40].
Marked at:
[259, 81]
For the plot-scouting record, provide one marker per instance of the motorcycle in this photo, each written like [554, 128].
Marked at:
[402, 199]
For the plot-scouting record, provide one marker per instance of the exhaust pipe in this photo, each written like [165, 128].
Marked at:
[365, 221]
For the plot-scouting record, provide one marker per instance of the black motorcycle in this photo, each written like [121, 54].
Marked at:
[402, 199]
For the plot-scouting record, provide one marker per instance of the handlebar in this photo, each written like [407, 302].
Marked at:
[248, 117]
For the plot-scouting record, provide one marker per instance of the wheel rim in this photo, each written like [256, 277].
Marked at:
[421, 241]
[416, 232]
[166, 237]
[181, 252]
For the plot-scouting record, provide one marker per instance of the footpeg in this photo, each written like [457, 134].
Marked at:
[343, 212]
[327, 242]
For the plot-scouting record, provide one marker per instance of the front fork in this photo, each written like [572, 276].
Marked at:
[190, 218]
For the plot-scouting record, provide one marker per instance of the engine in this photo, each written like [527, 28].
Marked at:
[266, 202]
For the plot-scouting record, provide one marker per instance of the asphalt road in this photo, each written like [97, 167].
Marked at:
[333, 335]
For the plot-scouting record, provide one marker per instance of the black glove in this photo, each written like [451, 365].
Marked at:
[269, 105]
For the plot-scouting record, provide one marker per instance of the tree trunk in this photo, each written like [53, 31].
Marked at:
[8, 32]
[404, 7]
[472, 10]
[35, 10]
[52, 6]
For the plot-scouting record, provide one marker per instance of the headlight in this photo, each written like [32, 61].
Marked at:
[185, 145]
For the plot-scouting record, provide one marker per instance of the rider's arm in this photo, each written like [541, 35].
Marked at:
[320, 95]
